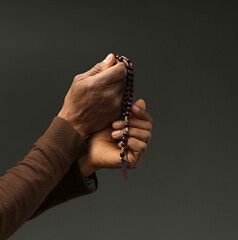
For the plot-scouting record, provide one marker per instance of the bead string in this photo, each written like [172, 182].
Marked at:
[126, 109]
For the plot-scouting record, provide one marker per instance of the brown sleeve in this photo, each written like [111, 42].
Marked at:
[71, 186]
[25, 186]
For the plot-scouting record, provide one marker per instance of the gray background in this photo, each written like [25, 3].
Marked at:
[185, 57]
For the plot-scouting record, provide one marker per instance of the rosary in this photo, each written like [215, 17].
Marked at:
[126, 109]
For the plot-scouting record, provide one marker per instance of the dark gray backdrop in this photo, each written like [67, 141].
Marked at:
[185, 57]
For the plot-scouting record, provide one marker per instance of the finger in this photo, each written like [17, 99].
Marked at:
[141, 113]
[138, 149]
[141, 103]
[111, 75]
[137, 133]
[101, 66]
[133, 122]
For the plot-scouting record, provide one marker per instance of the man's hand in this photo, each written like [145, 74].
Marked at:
[94, 99]
[104, 151]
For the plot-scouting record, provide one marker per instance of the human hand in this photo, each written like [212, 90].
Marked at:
[95, 97]
[104, 151]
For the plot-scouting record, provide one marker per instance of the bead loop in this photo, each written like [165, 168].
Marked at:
[126, 110]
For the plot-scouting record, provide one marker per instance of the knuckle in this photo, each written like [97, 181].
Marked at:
[150, 126]
[143, 146]
[78, 77]
[148, 136]
[75, 78]
[96, 69]
[98, 66]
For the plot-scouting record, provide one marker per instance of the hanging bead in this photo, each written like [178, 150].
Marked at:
[126, 110]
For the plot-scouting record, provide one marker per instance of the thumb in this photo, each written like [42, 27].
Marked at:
[101, 66]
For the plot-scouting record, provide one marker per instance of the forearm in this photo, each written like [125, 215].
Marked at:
[25, 186]
[71, 186]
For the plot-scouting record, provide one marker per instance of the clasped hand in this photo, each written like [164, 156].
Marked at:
[93, 107]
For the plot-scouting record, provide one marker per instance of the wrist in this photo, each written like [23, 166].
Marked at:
[79, 128]
[84, 166]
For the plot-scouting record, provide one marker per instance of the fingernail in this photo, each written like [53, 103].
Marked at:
[108, 58]
[117, 123]
[116, 133]
[136, 108]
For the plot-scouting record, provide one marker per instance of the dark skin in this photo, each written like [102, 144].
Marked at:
[93, 107]
[104, 151]
[94, 98]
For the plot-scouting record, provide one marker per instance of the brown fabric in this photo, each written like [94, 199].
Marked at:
[47, 176]
[69, 187]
